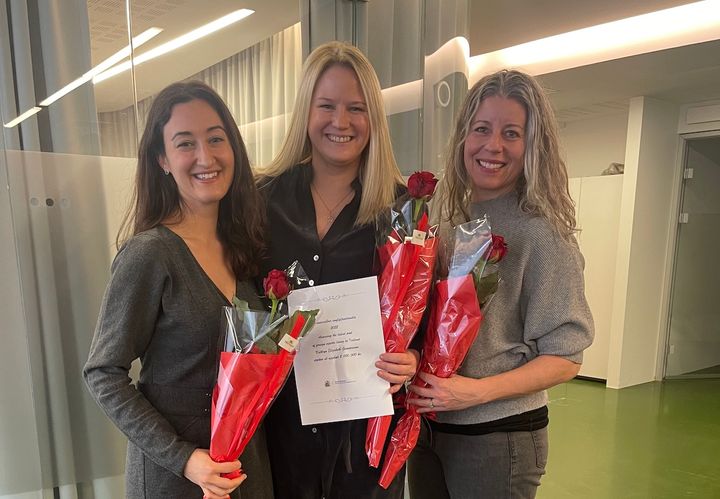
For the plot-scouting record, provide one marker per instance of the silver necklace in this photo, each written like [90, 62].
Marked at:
[332, 214]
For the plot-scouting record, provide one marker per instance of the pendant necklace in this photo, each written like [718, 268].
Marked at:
[331, 213]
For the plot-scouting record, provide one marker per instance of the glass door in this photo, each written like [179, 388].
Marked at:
[693, 348]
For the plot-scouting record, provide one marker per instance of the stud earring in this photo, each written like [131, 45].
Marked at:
[167, 172]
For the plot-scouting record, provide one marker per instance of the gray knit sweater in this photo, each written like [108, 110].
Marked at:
[162, 308]
[539, 308]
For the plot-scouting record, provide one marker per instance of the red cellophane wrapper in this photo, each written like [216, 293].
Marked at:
[453, 326]
[404, 283]
[455, 317]
[248, 383]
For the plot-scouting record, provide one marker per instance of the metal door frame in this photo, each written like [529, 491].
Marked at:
[685, 144]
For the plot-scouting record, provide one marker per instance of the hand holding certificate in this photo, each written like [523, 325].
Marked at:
[335, 364]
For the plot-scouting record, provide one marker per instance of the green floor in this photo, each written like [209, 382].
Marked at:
[654, 441]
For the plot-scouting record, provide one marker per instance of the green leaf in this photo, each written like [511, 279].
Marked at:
[239, 304]
[486, 286]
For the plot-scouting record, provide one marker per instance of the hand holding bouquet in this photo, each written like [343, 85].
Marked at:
[407, 250]
[256, 358]
[472, 279]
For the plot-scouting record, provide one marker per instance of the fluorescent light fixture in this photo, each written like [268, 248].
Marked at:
[30, 112]
[137, 41]
[103, 66]
[176, 43]
[674, 27]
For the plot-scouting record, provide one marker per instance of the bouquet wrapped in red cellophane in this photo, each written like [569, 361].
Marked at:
[255, 360]
[469, 280]
[406, 250]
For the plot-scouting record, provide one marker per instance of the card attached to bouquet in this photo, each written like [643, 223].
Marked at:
[335, 368]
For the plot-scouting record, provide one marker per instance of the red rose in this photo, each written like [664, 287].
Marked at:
[276, 285]
[421, 185]
[497, 250]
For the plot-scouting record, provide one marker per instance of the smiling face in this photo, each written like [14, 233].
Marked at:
[338, 123]
[494, 150]
[198, 155]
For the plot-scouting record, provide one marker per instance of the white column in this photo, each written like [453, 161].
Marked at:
[646, 227]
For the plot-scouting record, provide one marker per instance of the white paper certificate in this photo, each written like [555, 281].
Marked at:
[335, 368]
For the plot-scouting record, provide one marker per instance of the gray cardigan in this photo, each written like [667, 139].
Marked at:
[539, 308]
[161, 307]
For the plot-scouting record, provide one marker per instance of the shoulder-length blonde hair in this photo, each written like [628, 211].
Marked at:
[543, 187]
[379, 173]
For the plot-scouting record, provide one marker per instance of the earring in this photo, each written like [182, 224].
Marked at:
[167, 172]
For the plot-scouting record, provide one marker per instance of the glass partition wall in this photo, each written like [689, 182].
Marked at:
[58, 220]
[76, 83]
[71, 105]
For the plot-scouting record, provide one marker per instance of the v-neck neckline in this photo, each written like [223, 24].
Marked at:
[208, 279]
[308, 193]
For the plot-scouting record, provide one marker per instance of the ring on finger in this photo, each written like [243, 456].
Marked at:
[432, 403]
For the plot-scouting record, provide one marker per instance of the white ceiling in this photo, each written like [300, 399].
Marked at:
[685, 74]
[680, 75]
[496, 24]
[109, 34]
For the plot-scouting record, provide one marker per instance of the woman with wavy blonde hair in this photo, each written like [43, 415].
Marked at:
[490, 436]
[543, 186]
[333, 177]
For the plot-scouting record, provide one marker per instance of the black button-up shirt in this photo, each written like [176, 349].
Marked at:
[346, 252]
[324, 460]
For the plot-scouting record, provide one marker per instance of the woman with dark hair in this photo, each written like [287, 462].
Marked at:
[190, 241]
[490, 436]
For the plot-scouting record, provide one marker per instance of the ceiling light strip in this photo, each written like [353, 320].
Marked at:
[30, 112]
[109, 62]
[124, 53]
[669, 28]
[176, 43]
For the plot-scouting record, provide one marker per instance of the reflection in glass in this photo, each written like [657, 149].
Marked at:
[60, 203]
[61, 213]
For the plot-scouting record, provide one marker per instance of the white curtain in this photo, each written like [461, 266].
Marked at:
[258, 85]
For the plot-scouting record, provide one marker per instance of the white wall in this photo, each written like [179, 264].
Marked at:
[699, 117]
[598, 215]
[591, 145]
[646, 225]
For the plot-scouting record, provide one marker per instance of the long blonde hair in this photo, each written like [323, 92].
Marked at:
[543, 187]
[379, 173]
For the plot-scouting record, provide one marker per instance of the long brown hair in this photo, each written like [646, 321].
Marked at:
[156, 198]
[543, 187]
[379, 174]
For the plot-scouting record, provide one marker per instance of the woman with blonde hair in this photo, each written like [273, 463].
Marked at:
[490, 436]
[334, 175]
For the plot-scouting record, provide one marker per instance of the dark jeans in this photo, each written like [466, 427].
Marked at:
[493, 466]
